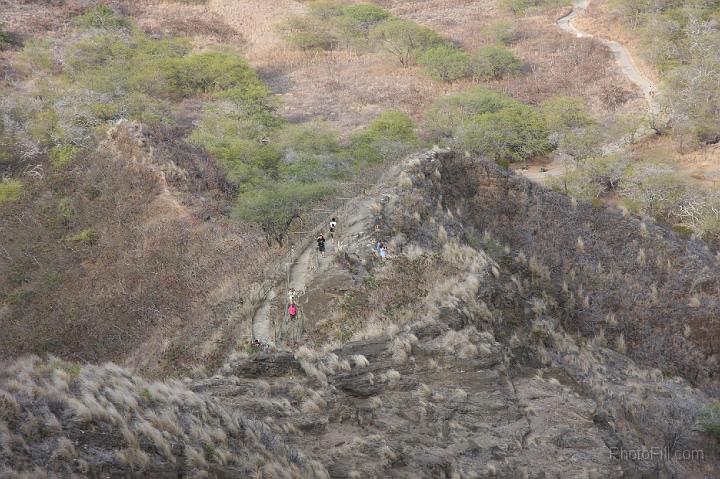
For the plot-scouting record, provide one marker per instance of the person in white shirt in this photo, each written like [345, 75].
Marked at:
[333, 224]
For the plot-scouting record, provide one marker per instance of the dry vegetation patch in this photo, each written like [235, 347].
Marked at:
[89, 420]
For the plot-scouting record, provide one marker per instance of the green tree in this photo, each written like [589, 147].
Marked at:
[404, 40]
[565, 113]
[445, 63]
[276, 206]
[570, 128]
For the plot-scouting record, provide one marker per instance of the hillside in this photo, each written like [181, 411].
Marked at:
[521, 277]
[480, 374]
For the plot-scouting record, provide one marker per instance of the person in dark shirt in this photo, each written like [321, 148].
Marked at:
[321, 244]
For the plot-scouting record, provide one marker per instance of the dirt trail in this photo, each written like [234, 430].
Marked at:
[355, 218]
[621, 54]
[261, 327]
[625, 61]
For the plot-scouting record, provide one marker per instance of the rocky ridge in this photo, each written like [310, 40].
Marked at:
[487, 370]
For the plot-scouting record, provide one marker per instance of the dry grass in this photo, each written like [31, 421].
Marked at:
[348, 88]
[139, 432]
[174, 306]
[615, 242]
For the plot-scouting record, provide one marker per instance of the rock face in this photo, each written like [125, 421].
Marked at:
[472, 360]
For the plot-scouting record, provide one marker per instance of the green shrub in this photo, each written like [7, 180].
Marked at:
[73, 370]
[109, 63]
[709, 419]
[65, 207]
[312, 151]
[565, 113]
[359, 18]
[62, 155]
[310, 138]
[10, 190]
[310, 41]
[101, 17]
[87, 236]
[518, 7]
[495, 62]
[310, 33]
[392, 126]
[445, 63]
[210, 451]
[503, 32]
[515, 133]
[683, 230]
[404, 40]
[146, 395]
[447, 113]
[330, 23]
[390, 135]
[234, 138]
[4, 40]
[36, 56]
[209, 72]
[522, 7]
[108, 74]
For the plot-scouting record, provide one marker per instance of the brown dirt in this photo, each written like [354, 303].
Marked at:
[601, 19]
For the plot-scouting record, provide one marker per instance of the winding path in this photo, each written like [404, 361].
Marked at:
[621, 54]
[630, 70]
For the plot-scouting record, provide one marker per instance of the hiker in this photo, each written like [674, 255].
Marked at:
[292, 294]
[292, 311]
[321, 244]
[383, 252]
[379, 246]
[333, 224]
